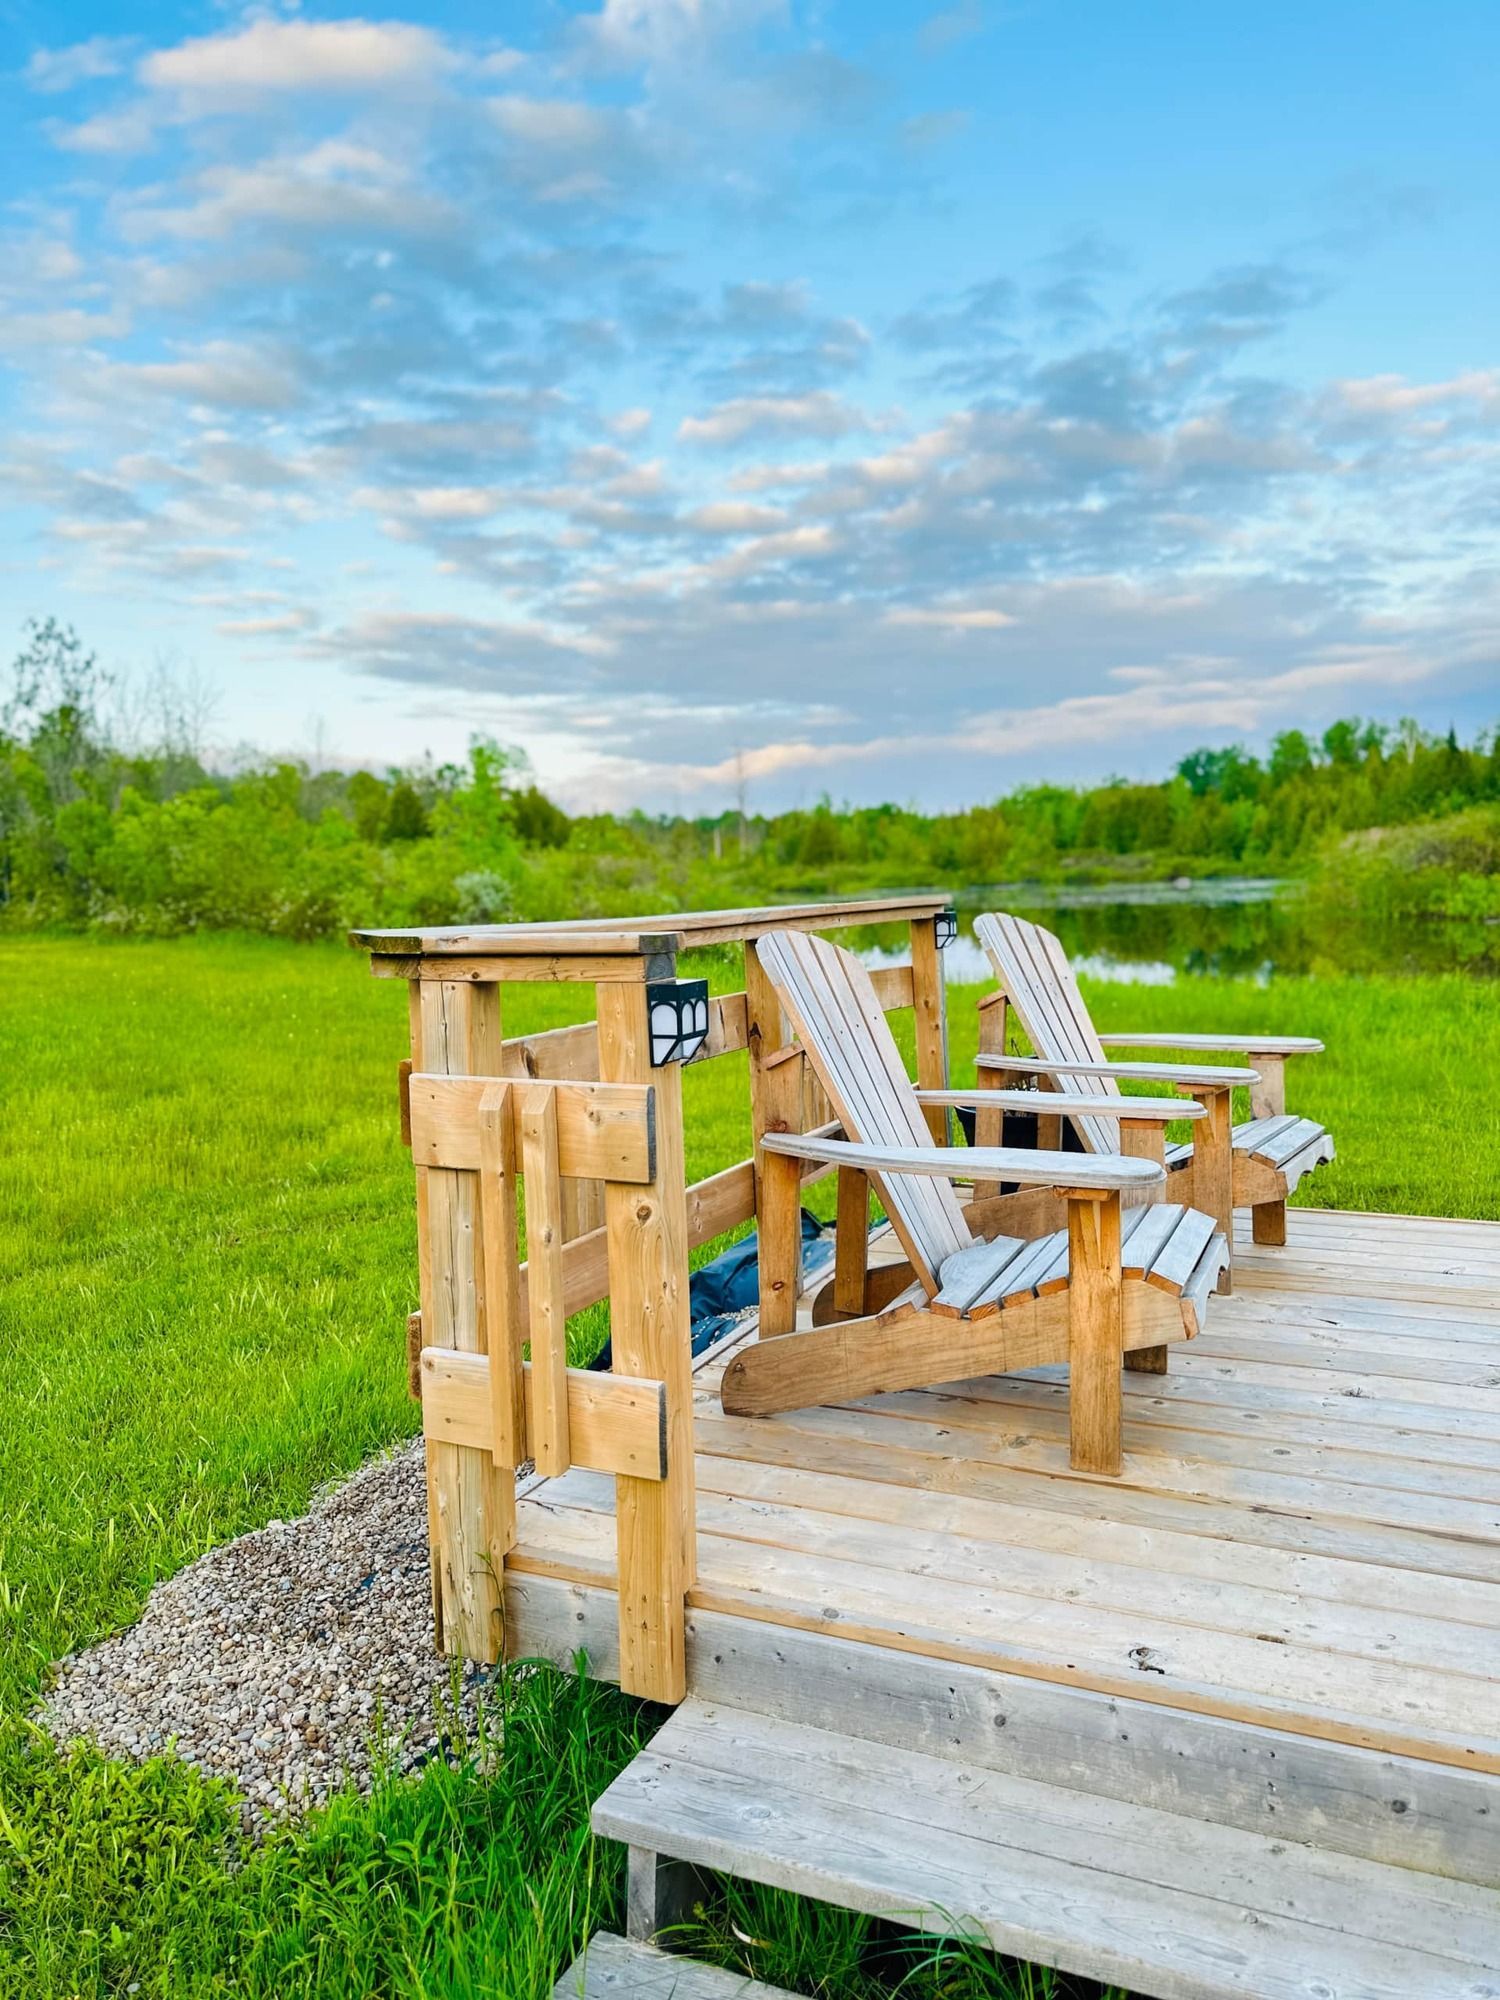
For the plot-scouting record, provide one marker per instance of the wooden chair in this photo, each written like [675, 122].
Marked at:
[1253, 1165]
[1105, 1286]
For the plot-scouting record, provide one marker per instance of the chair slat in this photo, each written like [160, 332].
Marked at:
[1033, 969]
[833, 1008]
[1174, 1263]
[1139, 1251]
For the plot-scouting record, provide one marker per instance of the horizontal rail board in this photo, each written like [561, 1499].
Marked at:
[616, 1423]
[613, 940]
[574, 1052]
[589, 968]
[605, 1131]
[676, 931]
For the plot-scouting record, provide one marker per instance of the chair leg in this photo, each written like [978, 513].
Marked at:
[1096, 1332]
[1147, 1360]
[1268, 1223]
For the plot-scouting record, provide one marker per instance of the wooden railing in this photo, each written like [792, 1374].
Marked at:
[580, 1118]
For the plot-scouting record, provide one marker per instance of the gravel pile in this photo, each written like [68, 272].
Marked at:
[276, 1660]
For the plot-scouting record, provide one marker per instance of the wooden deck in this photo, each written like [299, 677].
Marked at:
[1284, 1617]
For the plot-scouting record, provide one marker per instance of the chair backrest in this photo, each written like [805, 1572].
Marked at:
[1038, 981]
[827, 997]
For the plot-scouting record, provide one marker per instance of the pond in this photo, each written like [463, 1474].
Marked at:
[1243, 928]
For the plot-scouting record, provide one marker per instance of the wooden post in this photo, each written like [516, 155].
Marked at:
[852, 1244]
[652, 1338]
[471, 1502]
[1145, 1139]
[989, 1126]
[1096, 1330]
[1213, 1165]
[1268, 1100]
[778, 1183]
[776, 1105]
[931, 1021]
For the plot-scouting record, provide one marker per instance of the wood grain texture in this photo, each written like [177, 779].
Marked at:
[471, 1499]
[930, 1021]
[547, 1315]
[1096, 1335]
[651, 1337]
[1103, 1888]
[604, 1130]
[1398, 1810]
[500, 1251]
[615, 1968]
[615, 1423]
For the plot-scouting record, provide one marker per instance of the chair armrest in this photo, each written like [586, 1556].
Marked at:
[1052, 1104]
[1105, 1171]
[1252, 1045]
[1190, 1074]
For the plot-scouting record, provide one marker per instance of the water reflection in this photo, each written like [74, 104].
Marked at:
[1156, 933]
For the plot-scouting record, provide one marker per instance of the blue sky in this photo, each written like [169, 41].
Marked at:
[891, 401]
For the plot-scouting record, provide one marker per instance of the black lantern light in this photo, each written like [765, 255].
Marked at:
[945, 925]
[677, 1010]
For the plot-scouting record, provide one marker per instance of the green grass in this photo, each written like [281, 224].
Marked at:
[207, 1253]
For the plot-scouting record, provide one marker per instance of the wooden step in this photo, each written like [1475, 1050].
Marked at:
[1408, 1812]
[616, 1968]
[1159, 1902]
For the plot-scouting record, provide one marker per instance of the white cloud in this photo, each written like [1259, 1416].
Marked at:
[734, 517]
[1394, 395]
[552, 121]
[953, 619]
[629, 423]
[221, 372]
[820, 414]
[130, 130]
[301, 55]
[52, 70]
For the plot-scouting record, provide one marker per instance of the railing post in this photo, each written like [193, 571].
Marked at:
[930, 1014]
[989, 1126]
[651, 1336]
[471, 1502]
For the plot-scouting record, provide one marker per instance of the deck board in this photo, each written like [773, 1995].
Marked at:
[1306, 1536]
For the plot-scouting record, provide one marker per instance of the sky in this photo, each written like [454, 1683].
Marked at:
[725, 399]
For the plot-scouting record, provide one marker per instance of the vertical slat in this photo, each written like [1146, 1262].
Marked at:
[472, 1504]
[930, 1015]
[776, 1105]
[548, 1426]
[1145, 1139]
[1268, 1100]
[1213, 1167]
[1096, 1333]
[648, 1281]
[851, 1243]
[1268, 1097]
[779, 1197]
[989, 1126]
[501, 1252]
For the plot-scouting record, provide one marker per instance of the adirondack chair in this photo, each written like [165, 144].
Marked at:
[1253, 1165]
[1112, 1283]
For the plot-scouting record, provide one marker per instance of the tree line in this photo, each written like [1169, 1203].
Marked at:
[129, 825]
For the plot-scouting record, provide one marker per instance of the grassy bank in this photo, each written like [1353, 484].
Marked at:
[206, 1250]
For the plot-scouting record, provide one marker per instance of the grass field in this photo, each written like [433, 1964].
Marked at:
[206, 1249]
